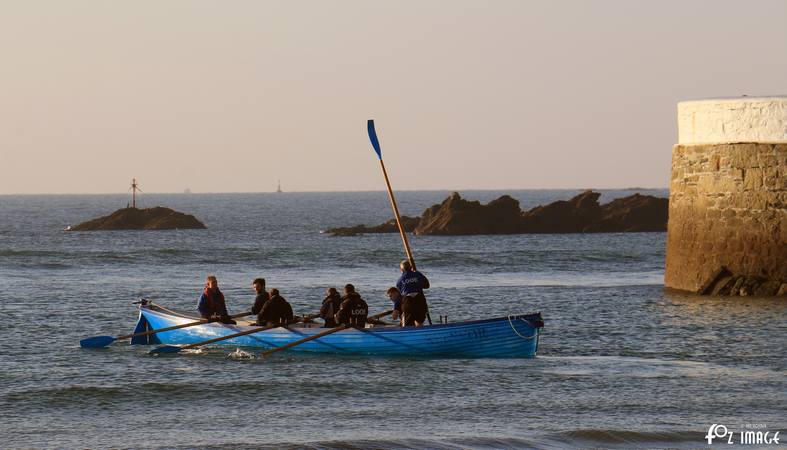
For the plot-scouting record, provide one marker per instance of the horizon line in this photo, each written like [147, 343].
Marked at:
[631, 188]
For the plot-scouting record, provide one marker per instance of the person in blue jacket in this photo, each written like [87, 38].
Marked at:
[411, 285]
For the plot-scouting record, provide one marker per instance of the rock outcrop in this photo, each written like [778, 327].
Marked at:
[157, 218]
[457, 216]
[635, 213]
[565, 216]
[408, 223]
[581, 214]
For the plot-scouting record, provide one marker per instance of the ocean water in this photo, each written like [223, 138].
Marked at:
[621, 364]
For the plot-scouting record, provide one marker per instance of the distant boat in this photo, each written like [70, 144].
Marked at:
[278, 189]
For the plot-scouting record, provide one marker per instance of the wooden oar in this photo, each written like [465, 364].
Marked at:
[378, 150]
[177, 348]
[103, 341]
[318, 335]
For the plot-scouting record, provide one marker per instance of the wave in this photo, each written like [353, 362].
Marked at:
[628, 439]
[13, 253]
[175, 251]
[632, 366]
[547, 279]
[76, 396]
[567, 439]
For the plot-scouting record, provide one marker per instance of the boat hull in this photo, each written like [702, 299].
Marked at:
[514, 336]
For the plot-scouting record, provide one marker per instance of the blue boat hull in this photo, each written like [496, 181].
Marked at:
[515, 336]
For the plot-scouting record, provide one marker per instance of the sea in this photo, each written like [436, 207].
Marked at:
[622, 362]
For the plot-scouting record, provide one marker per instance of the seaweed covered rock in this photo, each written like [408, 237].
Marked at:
[158, 218]
[726, 283]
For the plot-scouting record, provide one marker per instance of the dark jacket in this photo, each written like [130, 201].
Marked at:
[353, 311]
[276, 310]
[259, 302]
[212, 306]
[330, 306]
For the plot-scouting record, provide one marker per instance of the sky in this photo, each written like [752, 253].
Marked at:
[218, 96]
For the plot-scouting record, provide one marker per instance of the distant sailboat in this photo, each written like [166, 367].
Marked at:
[278, 189]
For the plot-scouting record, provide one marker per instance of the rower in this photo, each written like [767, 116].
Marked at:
[276, 311]
[211, 304]
[262, 296]
[411, 285]
[330, 306]
[396, 298]
[353, 310]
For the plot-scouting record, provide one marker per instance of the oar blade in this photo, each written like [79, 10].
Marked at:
[96, 341]
[373, 138]
[166, 349]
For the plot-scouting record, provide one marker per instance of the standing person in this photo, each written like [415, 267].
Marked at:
[353, 310]
[411, 285]
[330, 306]
[276, 311]
[262, 296]
[211, 304]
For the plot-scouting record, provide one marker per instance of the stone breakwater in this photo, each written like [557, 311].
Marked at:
[728, 208]
[727, 231]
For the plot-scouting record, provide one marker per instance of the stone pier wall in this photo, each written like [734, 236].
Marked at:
[727, 208]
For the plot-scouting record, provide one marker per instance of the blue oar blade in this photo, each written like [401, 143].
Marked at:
[373, 138]
[166, 349]
[96, 341]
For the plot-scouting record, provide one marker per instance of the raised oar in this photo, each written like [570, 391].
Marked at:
[318, 335]
[103, 341]
[376, 145]
[177, 348]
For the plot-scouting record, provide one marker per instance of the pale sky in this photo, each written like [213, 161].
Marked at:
[229, 96]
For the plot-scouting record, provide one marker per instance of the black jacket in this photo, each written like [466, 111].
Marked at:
[353, 311]
[259, 302]
[276, 310]
[330, 306]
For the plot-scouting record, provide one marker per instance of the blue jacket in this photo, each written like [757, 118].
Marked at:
[412, 282]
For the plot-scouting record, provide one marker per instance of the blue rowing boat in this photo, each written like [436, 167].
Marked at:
[514, 336]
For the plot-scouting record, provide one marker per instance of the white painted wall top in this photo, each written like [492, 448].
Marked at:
[729, 120]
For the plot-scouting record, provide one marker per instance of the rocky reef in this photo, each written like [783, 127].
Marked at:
[158, 218]
[581, 214]
[457, 216]
[408, 223]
